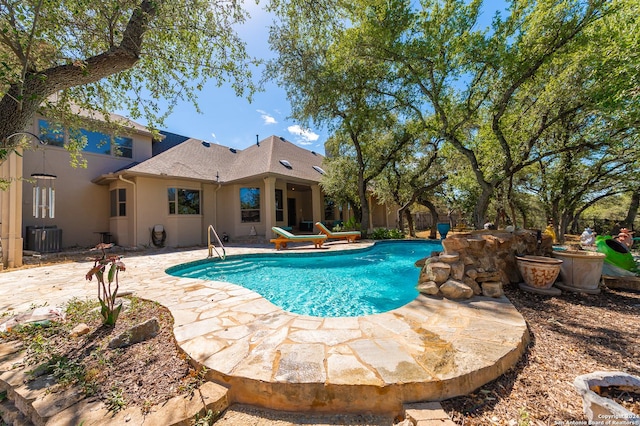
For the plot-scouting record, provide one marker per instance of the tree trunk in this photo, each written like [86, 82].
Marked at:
[482, 205]
[434, 214]
[412, 230]
[364, 211]
[400, 217]
[633, 209]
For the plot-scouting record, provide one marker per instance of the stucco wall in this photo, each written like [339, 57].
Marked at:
[82, 208]
[153, 209]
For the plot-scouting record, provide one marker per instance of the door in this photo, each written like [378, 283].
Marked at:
[291, 212]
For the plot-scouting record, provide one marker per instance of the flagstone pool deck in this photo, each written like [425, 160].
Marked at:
[428, 350]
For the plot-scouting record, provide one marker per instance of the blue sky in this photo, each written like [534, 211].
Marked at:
[234, 122]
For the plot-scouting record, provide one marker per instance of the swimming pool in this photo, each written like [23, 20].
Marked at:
[337, 284]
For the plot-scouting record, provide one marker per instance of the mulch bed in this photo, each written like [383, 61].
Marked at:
[571, 335]
[140, 375]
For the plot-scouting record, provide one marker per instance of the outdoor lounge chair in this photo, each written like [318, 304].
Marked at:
[285, 237]
[350, 236]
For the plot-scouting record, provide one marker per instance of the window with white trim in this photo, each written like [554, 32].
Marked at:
[183, 201]
[118, 202]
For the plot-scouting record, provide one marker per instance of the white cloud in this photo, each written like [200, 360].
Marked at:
[304, 136]
[267, 119]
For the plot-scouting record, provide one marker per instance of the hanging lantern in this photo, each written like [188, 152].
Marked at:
[44, 195]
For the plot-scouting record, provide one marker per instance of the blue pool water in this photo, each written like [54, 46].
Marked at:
[337, 284]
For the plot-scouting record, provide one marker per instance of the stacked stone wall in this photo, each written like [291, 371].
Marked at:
[479, 262]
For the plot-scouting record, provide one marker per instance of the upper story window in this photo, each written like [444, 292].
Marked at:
[123, 147]
[97, 142]
[52, 134]
[183, 201]
[250, 204]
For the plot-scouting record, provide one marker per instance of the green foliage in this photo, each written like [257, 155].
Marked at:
[115, 400]
[350, 225]
[77, 310]
[207, 420]
[196, 380]
[525, 417]
[67, 372]
[115, 55]
[386, 234]
[546, 78]
[111, 267]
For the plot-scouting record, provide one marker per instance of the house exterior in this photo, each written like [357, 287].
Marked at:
[126, 191]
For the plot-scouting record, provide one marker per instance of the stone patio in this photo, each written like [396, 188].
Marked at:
[428, 350]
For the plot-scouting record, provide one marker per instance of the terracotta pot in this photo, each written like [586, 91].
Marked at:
[538, 271]
[580, 270]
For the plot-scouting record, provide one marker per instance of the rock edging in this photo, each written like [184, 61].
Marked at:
[38, 402]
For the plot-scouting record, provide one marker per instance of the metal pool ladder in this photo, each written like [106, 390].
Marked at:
[211, 246]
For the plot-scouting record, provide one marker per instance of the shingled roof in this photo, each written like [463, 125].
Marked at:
[205, 161]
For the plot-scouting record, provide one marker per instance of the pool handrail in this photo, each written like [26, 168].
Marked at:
[212, 247]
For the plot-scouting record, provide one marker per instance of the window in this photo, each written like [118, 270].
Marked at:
[52, 134]
[118, 202]
[97, 142]
[279, 206]
[250, 204]
[123, 147]
[329, 208]
[183, 201]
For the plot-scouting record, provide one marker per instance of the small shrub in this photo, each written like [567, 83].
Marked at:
[349, 225]
[207, 420]
[115, 400]
[386, 234]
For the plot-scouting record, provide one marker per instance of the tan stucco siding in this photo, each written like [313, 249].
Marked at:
[153, 209]
[81, 207]
[225, 211]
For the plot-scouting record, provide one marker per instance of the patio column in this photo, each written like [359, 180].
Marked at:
[316, 204]
[11, 213]
[269, 205]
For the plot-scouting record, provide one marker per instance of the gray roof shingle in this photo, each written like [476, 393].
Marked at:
[195, 159]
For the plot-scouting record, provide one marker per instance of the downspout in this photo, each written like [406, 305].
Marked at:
[135, 212]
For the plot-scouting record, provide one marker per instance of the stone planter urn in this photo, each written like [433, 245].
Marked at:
[601, 410]
[539, 273]
[443, 229]
[580, 271]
